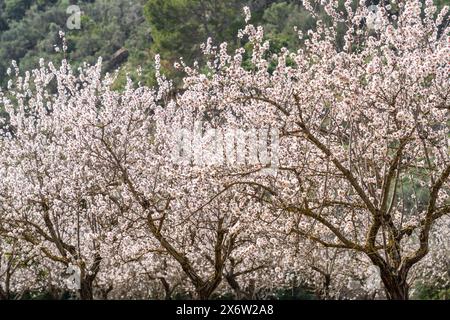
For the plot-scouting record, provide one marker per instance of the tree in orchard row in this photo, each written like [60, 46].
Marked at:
[88, 181]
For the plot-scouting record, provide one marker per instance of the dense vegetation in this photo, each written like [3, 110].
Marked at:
[132, 34]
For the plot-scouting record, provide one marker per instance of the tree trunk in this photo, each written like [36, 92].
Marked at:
[326, 286]
[4, 295]
[87, 279]
[395, 286]
[204, 293]
[105, 292]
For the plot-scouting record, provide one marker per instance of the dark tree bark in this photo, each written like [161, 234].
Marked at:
[105, 292]
[86, 292]
[395, 286]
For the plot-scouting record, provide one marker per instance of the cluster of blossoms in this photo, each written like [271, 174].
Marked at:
[357, 203]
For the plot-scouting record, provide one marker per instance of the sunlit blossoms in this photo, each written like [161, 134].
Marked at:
[325, 166]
